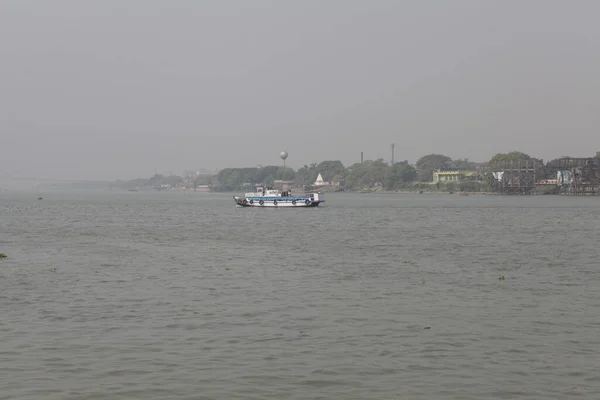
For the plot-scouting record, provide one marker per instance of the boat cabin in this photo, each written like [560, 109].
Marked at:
[262, 191]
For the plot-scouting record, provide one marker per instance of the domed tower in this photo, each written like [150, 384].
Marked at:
[283, 156]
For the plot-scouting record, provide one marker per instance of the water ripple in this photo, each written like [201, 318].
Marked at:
[173, 295]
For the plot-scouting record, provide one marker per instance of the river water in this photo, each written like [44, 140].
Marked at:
[184, 296]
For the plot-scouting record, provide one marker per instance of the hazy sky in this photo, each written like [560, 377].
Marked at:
[110, 89]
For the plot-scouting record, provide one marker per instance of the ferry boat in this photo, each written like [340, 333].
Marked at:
[268, 197]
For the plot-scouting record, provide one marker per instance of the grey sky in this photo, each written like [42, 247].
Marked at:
[111, 89]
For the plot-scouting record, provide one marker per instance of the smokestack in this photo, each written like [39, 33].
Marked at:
[361, 157]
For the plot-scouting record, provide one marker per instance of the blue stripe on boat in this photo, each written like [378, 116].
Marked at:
[279, 198]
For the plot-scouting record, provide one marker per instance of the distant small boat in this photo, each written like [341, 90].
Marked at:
[274, 198]
[39, 198]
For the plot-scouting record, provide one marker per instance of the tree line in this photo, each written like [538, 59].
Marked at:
[368, 175]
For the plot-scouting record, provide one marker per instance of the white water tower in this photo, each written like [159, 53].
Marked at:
[283, 156]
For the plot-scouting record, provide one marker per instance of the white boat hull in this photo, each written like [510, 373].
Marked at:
[268, 197]
[276, 202]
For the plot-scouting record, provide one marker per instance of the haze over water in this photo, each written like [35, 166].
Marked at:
[182, 295]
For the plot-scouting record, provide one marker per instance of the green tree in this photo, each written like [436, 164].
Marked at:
[427, 164]
[329, 169]
[542, 171]
[270, 181]
[512, 156]
[261, 175]
[304, 175]
[366, 175]
[285, 174]
[464, 164]
[235, 178]
[398, 174]
[155, 180]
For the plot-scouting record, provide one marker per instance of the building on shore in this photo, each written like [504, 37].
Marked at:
[576, 176]
[320, 181]
[203, 188]
[444, 175]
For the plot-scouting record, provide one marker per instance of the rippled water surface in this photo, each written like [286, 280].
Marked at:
[184, 296]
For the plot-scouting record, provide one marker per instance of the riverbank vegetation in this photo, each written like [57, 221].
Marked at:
[378, 175]
[370, 175]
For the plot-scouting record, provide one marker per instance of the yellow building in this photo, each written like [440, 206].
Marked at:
[452, 175]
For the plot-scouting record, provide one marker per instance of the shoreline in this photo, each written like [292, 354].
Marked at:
[299, 190]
